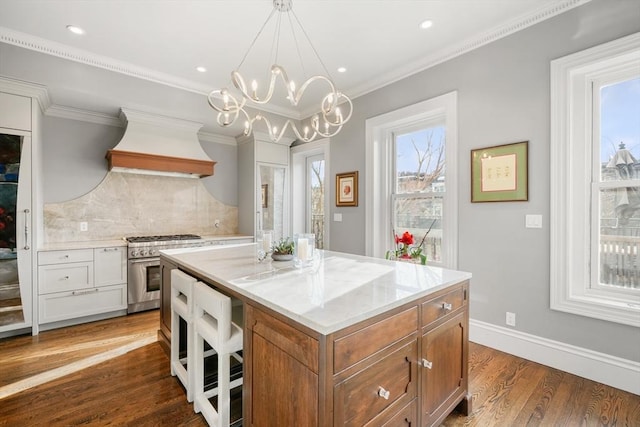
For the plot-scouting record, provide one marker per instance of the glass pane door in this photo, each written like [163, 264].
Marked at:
[11, 297]
[315, 198]
[271, 199]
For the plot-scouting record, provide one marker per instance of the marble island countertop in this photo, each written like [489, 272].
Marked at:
[336, 291]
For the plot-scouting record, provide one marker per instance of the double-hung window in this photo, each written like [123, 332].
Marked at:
[595, 182]
[411, 179]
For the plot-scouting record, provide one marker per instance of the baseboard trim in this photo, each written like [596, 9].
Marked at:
[603, 368]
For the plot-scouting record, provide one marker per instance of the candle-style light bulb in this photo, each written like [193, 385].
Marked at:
[306, 131]
[338, 115]
[254, 89]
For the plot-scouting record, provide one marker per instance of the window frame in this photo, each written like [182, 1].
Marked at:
[380, 167]
[572, 169]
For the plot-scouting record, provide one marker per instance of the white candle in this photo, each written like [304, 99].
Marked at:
[303, 246]
[266, 242]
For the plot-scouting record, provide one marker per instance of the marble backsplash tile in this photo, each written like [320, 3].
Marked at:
[126, 204]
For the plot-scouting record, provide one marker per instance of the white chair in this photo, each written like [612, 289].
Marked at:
[182, 307]
[213, 324]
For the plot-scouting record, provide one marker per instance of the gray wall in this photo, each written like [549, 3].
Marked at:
[74, 161]
[503, 97]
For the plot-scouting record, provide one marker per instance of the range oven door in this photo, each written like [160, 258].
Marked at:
[143, 284]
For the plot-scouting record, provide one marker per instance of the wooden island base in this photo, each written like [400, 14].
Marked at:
[404, 366]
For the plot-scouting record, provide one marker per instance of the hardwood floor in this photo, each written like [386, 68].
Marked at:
[136, 388]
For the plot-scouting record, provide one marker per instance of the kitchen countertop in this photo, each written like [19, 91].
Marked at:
[336, 291]
[91, 244]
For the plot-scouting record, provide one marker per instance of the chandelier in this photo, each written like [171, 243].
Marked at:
[231, 107]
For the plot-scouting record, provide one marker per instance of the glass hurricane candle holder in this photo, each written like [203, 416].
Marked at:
[304, 249]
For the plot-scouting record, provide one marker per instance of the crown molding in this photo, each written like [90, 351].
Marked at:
[33, 90]
[83, 116]
[49, 47]
[548, 10]
[27, 41]
[216, 138]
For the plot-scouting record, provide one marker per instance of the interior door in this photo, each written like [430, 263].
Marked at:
[15, 230]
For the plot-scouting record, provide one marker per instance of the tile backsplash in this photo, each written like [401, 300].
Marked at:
[127, 204]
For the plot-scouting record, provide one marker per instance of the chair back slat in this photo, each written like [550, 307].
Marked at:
[216, 305]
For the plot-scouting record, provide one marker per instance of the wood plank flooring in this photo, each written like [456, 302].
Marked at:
[136, 388]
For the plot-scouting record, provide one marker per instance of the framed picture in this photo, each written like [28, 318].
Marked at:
[500, 173]
[265, 195]
[347, 189]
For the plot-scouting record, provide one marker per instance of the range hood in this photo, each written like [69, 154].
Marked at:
[159, 145]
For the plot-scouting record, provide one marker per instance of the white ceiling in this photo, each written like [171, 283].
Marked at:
[159, 43]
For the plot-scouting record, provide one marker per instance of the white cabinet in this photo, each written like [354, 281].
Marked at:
[110, 265]
[263, 185]
[16, 111]
[76, 283]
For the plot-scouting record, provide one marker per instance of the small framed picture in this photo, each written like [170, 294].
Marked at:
[265, 195]
[500, 173]
[347, 189]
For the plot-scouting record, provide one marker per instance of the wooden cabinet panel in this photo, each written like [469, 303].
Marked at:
[444, 380]
[367, 341]
[439, 307]
[385, 386]
[299, 345]
[406, 417]
[284, 391]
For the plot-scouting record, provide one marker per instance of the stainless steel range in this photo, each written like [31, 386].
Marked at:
[143, 267]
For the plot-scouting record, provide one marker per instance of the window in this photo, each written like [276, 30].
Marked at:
[419, 186]
[411, 179]
[595, 182]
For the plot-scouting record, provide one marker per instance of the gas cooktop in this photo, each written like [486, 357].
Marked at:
[163, 238]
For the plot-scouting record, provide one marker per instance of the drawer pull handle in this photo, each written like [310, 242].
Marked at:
[446, 306]
[427, 364]
[84, 292]
[65, 278]
[110, 249]
[383, 393]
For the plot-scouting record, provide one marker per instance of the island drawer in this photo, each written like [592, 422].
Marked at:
[439, 307]
[65, 277]
[367, 341]
[63, 257]
[379, 390]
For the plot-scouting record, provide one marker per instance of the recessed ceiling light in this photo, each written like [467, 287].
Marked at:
[342, 70]
[426, 24]
[75, 30]
[201, 69]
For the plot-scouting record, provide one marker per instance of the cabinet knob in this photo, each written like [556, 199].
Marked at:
[383, 393]
[446, 306]
[427, 364]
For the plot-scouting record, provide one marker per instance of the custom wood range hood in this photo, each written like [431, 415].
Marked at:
[159, 145]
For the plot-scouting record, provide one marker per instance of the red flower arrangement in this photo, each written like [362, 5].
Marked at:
[404, 250]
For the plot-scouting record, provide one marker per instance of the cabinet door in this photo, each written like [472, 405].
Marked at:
[15, 111]
[282, 373]
[444, 375]
[110, 265]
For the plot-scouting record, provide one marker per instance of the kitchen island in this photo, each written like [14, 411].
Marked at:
[348, 340]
